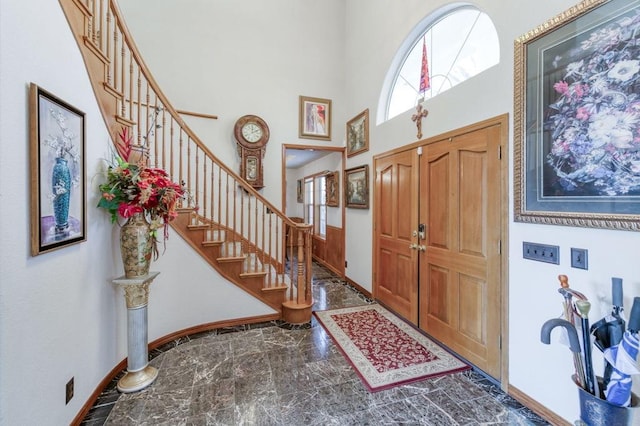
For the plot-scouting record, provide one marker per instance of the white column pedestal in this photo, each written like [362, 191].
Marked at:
[139, 373]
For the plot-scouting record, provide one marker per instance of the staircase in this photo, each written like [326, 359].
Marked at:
[227, 222]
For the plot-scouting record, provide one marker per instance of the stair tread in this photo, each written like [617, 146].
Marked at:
[212, 243]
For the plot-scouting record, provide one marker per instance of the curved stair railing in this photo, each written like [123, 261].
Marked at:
[238, 231]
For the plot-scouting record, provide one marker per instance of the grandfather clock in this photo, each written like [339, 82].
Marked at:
[252, 134]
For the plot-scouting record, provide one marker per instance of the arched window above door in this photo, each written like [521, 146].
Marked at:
[459, 40]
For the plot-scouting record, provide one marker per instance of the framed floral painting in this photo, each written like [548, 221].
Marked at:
[577, 118]
[57, 145]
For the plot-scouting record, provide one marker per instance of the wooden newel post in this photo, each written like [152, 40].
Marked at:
[304, 264]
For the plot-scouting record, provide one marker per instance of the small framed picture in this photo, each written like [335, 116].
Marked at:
[315, 118]
[356, 187]
[358, 134]
[300, 191]
[57, 146]
[333, 189]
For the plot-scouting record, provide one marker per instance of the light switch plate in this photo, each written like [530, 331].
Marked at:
[541, 252]
[579, 258]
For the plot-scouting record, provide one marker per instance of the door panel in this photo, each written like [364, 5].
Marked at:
[470, 184]
[396, 274]
[471, 308]
[472, 168]
[438, 202]
[438, 301]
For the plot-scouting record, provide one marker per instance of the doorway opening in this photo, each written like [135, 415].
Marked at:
[306, 169]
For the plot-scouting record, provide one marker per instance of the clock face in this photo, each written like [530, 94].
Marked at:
[251, 132]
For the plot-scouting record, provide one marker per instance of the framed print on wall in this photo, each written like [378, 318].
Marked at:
[358, 134]
[57, 159]
[333, 189]
[356, 187]
[300, 190]
[314, 118]
[577, 118]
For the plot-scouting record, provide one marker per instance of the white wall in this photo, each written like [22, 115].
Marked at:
[373, 31]
[57, 310]
[249, 57]
[60, 316]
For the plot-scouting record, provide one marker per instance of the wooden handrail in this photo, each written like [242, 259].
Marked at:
[183, 112]
[129, 96]
[197, 114]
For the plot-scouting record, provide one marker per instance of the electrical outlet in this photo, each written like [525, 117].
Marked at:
[579, 258]
[69, 391]
[541, 252]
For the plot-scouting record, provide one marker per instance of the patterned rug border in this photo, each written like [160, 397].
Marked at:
[374, 381]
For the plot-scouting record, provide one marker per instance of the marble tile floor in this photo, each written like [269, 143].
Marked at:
[275, 374]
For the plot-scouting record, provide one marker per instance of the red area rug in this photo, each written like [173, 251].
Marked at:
[384, 350]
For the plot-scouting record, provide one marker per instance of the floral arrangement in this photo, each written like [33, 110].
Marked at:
[594, 124]
[133, 188]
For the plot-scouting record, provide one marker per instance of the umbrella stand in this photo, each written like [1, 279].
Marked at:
[595, 411]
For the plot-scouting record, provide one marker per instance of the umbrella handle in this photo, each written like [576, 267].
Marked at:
[574, 343]
[564, 288]
[549, 325]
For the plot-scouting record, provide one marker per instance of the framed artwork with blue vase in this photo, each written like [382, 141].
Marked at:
[57, 162]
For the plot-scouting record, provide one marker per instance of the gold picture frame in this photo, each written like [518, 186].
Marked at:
[356, 187]
[57, 159]
[571, 81]
[358, 134]
[314, 118]
[333, 189]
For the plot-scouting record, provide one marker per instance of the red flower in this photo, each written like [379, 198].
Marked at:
[128, 210]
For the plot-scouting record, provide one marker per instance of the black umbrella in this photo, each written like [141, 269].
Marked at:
[584, 307]
[623, 358]
[609, 330]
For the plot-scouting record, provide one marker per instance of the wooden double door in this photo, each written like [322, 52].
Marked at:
[437, 239]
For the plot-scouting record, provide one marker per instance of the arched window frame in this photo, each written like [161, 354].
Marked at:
[403, 52]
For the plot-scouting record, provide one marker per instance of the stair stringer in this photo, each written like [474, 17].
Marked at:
[230, 268]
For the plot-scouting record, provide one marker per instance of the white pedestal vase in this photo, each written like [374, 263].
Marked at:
[139, 373]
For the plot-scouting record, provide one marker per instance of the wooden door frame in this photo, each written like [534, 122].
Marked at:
[503, 122]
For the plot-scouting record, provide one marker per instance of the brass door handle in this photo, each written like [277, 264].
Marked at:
[422, 248]
[413, 246]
